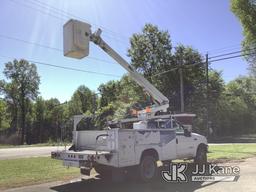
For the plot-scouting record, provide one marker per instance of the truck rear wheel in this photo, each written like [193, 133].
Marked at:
[110, 173]
[147, 168]
[103, 171]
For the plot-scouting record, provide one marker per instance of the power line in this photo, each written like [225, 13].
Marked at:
[226, 58]
[29, 42]
[176, 68]
[226, 48]
[63, 67]
[58, 10]
[232, 53]
[59, 16]
[39, 10]
[231, 49]
[48, 47]
[94, 58]
[211, 61]
[66, 14]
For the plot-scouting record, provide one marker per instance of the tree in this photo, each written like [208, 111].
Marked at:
[191, 63]
[236, 108]
[245, 10]
[150, 50]
[39, 118]
[9, 90]
[4, 122]
[22, 87]
[130, 92]
[151, 54]
[82, 101]
[109, 92]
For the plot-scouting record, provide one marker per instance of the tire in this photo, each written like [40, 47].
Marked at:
[104, 171]
[201, 155]
[147, 168]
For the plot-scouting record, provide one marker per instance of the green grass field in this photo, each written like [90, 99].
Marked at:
[27, 171]
[231, 152]
[2, 146]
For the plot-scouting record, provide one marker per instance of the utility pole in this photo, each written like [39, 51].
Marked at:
[181, 88]
[207, 92]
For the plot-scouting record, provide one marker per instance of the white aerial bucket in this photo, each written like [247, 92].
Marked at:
[76, 38]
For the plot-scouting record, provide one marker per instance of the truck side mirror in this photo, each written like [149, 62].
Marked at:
[187, 133]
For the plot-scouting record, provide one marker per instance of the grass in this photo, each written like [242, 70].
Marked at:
[6, 146]
[231, 152]
[2, 146]
[28, 171]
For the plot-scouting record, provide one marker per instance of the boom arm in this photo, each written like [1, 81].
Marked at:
[162, 102]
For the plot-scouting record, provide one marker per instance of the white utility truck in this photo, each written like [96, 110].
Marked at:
[154, 135]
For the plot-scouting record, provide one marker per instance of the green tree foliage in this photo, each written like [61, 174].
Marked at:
[150, 50]
[9, 90]
[193, 68]
[39, 118]
[4, 120]
[151, 53]
[109, 92]
[83, 101]
[54, 119]
[245, 10]
[22, 87]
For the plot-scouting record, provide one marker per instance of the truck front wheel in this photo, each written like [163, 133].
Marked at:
[147, 168]
[201, 155]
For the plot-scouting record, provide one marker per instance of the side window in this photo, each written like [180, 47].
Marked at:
[168, 124]
[152, 125]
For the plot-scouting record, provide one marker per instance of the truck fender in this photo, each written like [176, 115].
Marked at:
[150, 152]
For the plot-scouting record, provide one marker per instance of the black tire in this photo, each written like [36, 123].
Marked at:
[104, 171]
[201, 155]
[110, 173]
[147, 168]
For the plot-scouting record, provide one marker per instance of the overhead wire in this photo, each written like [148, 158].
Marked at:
[75, 16]
[224, 49]
[59, 14]
[48, 47]
[210, 61]
[232, 53]
[63, 67]
[66, 14]
[161, 73]
[231, 57]
[173, 69]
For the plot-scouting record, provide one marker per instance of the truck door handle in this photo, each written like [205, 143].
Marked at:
[177, 141]
[195, 139]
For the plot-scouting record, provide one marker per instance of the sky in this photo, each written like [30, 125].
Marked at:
[32, 29]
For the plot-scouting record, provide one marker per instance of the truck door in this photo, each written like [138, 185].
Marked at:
[168, 141]
[184, 142]
[126, 148]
